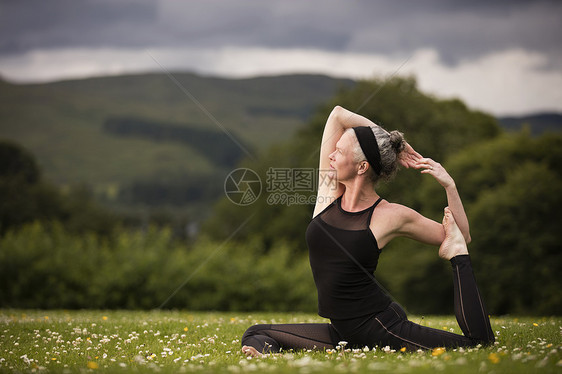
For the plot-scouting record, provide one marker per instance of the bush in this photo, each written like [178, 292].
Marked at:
[45, 266]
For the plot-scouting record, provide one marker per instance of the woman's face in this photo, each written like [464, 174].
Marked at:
[341, 160]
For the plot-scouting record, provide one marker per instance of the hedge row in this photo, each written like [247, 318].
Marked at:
[44, 266]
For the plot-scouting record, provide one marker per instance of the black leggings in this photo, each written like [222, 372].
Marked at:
[387, 328]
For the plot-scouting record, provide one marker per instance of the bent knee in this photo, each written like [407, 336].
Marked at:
[254, 330]
[485, 341]
[490, 340]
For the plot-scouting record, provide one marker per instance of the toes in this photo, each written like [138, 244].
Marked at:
[250, 351]
[446, 216]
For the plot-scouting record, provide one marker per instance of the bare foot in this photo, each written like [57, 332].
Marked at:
[250, 351]
[454, 243]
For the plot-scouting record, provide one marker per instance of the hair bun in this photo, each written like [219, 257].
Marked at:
[397, 141]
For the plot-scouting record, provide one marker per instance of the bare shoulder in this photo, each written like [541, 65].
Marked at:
[405, 212]
[389, 219]
[385, 219]
[397, 215]
[394, 210]
[394, 220]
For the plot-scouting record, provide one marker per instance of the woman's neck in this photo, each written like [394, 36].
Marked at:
[358, 196]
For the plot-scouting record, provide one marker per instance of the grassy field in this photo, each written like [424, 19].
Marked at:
[182, 341]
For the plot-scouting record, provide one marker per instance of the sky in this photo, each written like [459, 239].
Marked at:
[502, 57]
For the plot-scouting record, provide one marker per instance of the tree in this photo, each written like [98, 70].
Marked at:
[27, 198]
[24, 198]
[517, 245]
[511, 190]
[17, 163]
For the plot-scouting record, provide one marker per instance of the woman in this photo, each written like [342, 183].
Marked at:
[350, 226]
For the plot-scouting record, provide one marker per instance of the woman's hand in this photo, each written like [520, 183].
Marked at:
[409, 157]
[436, 170]
[454, 202]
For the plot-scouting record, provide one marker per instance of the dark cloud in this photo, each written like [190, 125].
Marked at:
[456, 29]
[27, 25]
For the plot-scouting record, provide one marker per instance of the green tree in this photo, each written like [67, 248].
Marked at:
[511, 190]
[17, 163]
[517, 241]
[26, 197]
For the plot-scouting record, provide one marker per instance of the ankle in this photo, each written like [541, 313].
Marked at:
[460, 259]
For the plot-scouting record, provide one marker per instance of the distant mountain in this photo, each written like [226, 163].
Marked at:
[118, 129]
[148, 139]
[538, 123]
[143, 138]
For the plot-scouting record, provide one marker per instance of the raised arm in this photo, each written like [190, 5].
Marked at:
[338, 121]
[435, 169]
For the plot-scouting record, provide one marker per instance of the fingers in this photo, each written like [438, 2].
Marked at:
[427, 164]
[409, 157]
[408, 161]
[415, 154]
[436, 170]
[426, 160]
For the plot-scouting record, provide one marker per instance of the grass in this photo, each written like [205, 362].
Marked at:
[182, 341]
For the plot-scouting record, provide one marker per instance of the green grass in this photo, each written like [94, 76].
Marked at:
[182, 341]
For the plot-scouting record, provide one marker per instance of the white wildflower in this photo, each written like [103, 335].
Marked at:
[26, 359]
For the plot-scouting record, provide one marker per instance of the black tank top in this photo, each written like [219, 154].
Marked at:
[343, 255]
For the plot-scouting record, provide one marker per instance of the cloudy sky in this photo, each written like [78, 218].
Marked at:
[504, 57]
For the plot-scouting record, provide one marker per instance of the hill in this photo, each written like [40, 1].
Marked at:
[538, 123]
[148, 140]
[132, 137]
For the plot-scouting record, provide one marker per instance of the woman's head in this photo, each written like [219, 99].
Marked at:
[390, 144]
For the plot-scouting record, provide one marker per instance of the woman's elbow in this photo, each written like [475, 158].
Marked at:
[336, 112]
[467, 238]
